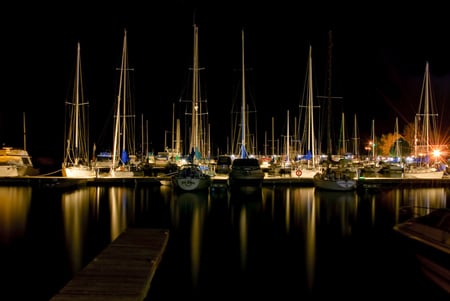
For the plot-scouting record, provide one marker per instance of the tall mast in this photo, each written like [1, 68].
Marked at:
[330, 51]
[374, 142]
[311, 136]
[427, 109]
[195, 93]
[124, 79]
[77, 100]
[329, 97]
[344, 143]
[243, 152]
[287, 139]
[24, 133]
[355, 138]
[397, 146]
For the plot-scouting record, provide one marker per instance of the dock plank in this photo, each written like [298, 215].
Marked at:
[123, 271]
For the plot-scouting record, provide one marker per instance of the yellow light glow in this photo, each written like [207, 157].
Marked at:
[437, 153]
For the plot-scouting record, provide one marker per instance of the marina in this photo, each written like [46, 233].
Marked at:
[207, 170]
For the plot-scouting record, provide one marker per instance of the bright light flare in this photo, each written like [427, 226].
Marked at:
[436, 153]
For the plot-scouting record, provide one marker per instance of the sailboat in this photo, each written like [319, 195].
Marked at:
[124, 160]
[190, 176]
[76, 162]
[395, 165]
[426, 137]
[336, 177]
[308, 166]
[286, 165]
[245, 170]
[16, 162]
[340, 176]
[371, 165]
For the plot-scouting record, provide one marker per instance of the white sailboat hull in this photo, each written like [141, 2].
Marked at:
[190, 177]
[322, 181]
[78, 172]
[304, 173]
[190, 184]
[424, 173]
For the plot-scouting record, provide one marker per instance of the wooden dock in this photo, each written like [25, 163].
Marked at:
[123, 271]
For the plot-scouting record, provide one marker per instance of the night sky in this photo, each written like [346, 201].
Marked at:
[378, 61]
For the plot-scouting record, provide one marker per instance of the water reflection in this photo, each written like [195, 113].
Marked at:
[310, 241]
[281, 240]
[122, 208]
[340, 209]
[423, 200]
[406, 202]
[14, 207]
[189, 211]
[75, 213]
[245, 206]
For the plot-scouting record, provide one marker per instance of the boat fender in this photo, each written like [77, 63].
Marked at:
[298, 172]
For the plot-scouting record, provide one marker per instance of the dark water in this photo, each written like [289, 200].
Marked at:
[283, 242]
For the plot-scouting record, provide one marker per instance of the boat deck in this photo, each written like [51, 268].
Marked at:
[123, 271]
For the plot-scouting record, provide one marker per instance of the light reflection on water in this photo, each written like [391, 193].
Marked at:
[192, 207]
[75, 211]
[14, 207]
[279, 240]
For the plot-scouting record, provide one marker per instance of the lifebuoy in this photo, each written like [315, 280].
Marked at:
[298, 172]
